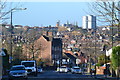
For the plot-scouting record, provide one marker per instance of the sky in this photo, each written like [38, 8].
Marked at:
[48, 13]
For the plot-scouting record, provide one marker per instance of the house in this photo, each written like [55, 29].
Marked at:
[50, 49]
[18, 26]
[109, 52]
[74, 56]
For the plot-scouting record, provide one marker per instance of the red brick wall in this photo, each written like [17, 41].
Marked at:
[45, 49]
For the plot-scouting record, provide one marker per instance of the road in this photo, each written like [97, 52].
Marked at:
[53, 75]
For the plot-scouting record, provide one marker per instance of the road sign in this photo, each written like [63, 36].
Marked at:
[58, 62]
[2, 53]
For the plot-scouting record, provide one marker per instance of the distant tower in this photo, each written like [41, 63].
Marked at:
[84, 22]
[76, 24]
[89, 22]
[58, 24]
[67, 23]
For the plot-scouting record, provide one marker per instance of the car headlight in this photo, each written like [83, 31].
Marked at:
[10, 73]
[66, 70]
[26, 72]
[41, 70]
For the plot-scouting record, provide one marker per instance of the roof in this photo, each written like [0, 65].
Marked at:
[70, 56]
[18, 66]
[47, 38]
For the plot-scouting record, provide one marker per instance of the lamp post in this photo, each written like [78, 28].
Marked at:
[95, 52]
[11, 31]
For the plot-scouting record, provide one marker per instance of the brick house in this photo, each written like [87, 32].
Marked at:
[50, 49]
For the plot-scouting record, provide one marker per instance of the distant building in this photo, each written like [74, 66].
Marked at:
[58, 24]
[67, 24]
[18, 26]
[84, 22]
[89, 22]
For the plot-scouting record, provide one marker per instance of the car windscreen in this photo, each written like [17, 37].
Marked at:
[17, 68]
[76, 68]
[63, 67]
[28, 64]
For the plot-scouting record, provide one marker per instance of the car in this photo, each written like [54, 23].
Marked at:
[76, 69]
[69, 69]
[62, 69]
[17, 71]
[92, 71]
[40, 70]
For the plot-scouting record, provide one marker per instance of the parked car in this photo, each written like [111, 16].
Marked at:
[40, 70]
[92, 71]
[69, 69]
[62, 69]
[76, 69]
[17, 71]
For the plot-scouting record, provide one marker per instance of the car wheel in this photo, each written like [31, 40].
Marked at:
[26, 78]
[35, 74]
[10, 79]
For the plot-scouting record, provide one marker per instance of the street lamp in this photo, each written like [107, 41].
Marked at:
[11, 30]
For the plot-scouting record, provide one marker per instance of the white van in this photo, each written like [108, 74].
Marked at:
[30, 66]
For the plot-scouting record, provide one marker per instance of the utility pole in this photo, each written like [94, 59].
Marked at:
[112, 27]
[95, 53]
[104, 49]
[11, 31]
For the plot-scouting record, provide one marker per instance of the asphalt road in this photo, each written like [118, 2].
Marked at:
[53, 75]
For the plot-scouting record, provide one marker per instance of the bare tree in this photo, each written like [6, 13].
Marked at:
[32, 46]
[107, 12]
[5, 8]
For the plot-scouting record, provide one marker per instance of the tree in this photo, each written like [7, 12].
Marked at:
[18, 55]
[31, 48]
[5, 9]
[107, 12]
[102, 59]
[115, 59]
